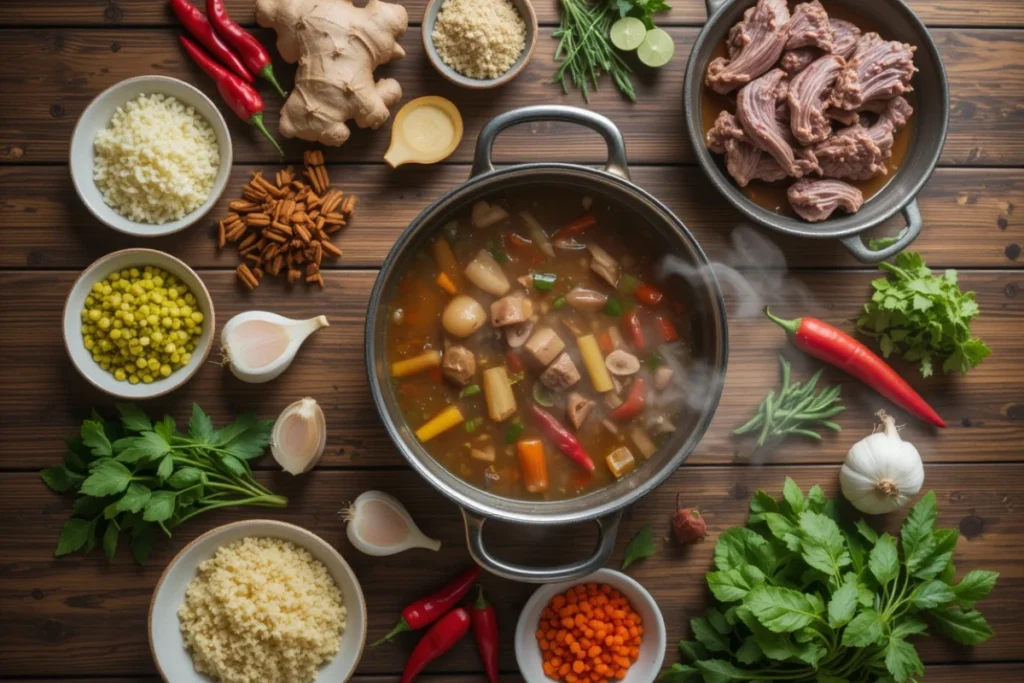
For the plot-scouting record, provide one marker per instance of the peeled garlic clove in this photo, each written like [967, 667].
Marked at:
[260, 345]
[299, 436]
[379, 525]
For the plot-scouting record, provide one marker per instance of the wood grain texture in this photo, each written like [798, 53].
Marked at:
[57, 72]
[146, 12]
[65, 610]
[985, 410]
[969, 215]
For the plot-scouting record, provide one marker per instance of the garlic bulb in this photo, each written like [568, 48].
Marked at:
[380, 525]
[882, 471]
[259, 345]
[299, 436]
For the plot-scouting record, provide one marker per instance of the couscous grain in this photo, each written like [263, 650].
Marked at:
[479, 38]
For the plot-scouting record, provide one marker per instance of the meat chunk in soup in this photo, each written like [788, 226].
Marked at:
[516, 335]
[458, 365]
[578, 408]
[561, 374]
[545, 345]
[604, 265]
[511, 310]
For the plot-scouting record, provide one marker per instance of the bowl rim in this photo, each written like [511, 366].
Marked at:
[831, 228]
[157, 229]
[427, 29]
[524, 634]
[302, 531]
[210, 319]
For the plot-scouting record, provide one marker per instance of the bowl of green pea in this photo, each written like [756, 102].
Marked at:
[138, 323]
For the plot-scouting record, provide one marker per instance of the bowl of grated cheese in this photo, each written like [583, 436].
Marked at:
[150, 156]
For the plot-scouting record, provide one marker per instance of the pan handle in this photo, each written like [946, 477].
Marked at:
[914, 224]
[715, 5]
[607, 529]
[552, 112]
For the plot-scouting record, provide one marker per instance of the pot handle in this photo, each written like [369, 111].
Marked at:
[607, 529]
[715, 5]
[914, 224]
[552, 112]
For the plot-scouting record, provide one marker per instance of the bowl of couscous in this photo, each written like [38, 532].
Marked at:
[257, 600]
[138, 323]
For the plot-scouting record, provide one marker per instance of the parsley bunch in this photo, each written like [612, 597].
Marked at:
[805, 599]
[139, 477]
[923, 317]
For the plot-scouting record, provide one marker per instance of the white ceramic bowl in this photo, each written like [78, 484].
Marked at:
[165, 640]
[97, 116]
[82, 358]
[652, 649]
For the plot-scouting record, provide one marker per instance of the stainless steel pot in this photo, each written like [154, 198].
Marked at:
[931, 119]
[710, 347]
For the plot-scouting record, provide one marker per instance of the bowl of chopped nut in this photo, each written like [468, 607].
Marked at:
[479, 44]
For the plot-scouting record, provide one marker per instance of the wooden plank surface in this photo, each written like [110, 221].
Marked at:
[984, 409]
[969, 215]
[687, 12]
[57, 72]
[58, 611]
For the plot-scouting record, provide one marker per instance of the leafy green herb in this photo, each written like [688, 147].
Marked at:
[798, 409]
[558, 303]
[471, 390]
[880, 243]
[644, 10]
[923, 317]
[612, 307]
[514, 431]
[640, 547]
[803, 597]
[472, 425]
[584, 49]
[136, 477]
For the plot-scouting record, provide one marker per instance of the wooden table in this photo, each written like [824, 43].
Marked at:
[79, 618]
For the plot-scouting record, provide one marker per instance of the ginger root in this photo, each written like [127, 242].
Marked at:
[337, 47]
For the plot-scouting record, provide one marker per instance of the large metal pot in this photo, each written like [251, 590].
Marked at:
[612, 183]
[931, 119]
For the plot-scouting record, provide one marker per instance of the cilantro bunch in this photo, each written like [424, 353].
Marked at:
[805, 599]
[644, 10]
[137, 477]
[923, 317]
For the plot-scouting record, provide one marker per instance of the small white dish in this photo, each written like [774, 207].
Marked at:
[82, 358]
[165, 640]
[97, 116]
[652, 648]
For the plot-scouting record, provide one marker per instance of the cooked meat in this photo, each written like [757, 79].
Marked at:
[755, 109]
[561, 374]
[746, 162]
[738, 36]
[578, 409]
[759, 39]
[808, 93]
[795, 61]
[847, 118]
[458, 365]
[844, 37]
[516, 335]
[815, 200]
[852, 153]
[897, 112]
[622, 363]
[660, 424]
[662, 377]
[879, 70]
[810, 27]
[544, 345]
[604, 265]
[510, 310]
[726, 128]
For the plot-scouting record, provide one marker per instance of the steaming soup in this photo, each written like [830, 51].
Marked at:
[531, 338]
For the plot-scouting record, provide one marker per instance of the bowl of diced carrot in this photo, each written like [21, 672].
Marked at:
[602, 629]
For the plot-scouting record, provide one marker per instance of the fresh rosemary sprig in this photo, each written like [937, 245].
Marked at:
[798, 409]
[584, 50]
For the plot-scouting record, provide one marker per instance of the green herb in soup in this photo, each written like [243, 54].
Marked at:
[520, 344]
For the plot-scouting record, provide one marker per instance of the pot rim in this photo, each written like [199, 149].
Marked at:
[481, 502]
[847, 226]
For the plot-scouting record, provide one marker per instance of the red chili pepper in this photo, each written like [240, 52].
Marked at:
[633, 328]
[666, 328]
[239, 95]
[634, 403]
[196, 24]
[522, 248]
[606, 343]
[427, 610]
[576, 227]
[647, 295]
[485, 630]
[438, 640]
[561, 437]
[253, 54]
[837, 348]
[515, 363]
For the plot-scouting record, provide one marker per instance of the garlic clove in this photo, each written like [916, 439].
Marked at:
[260, 345]
[379, 525]
[299, 435]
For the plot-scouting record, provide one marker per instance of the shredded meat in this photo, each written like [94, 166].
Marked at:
[795, 61]
[879, 70]
[897, 112]
[808, 93]
[815, 200]
[847, 118]
[853, 154]
[726, 128]
[755, 109]
[746, 162]
[759, 39]
[844, 37]
[810, 27]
